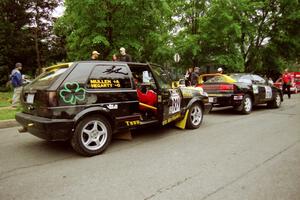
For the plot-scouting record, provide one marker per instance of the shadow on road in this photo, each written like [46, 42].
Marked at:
[41, 148]
[230, 111]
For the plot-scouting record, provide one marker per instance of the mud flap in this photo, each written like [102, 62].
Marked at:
[124, 135]
[181, 124]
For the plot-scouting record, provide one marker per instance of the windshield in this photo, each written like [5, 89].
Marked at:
[49, 76]
[163, 77]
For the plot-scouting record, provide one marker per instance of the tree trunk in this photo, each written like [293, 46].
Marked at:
[37, 50]
[36, 40]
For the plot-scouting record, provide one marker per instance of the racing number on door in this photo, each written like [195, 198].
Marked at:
[175, 98]
[268, 90]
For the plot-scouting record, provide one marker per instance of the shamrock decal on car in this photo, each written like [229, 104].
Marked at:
[72, 92]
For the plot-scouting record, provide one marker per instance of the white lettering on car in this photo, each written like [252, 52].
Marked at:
[175, 98]
[255, 89]
[268, 90]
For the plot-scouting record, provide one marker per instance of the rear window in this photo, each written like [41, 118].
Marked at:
[49, 76]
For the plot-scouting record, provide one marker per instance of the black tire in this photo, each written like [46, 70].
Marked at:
[246, 105]
[195, 116]
[276, 102]
[88, 140]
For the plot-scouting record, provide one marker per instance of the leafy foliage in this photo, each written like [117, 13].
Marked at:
[105, 26]
[259, 36]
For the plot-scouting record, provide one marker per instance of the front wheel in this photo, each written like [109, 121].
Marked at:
[276, 102]
[92, 136]
[195, 116]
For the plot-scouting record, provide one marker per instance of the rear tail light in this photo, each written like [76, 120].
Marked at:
[52, 99]
[225, 87]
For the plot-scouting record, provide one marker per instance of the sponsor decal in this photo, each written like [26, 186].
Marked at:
[133, 123]
[72, 92]
[172, 118]
[255, 89]
[268, 90]
[112, 106]
[159, 98]
[175, 98]
[104, 83]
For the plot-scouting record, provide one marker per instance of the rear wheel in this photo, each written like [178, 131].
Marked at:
[246, 105]
[195, 116]
[276, 102]
[92, 136]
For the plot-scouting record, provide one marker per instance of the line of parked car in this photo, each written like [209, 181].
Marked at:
[87, 102]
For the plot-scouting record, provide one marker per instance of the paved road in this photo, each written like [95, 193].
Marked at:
[231, 156]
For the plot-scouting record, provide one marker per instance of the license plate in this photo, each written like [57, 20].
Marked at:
[30, 98]
[211, 99]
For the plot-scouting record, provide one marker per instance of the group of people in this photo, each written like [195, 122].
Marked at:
[192, 75]
[123, 56]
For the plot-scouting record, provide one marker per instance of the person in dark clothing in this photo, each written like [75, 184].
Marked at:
[124, 57]
[16, 81]
[286, 82]
[195, 76]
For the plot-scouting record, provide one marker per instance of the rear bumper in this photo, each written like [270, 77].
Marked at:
[228, 100]
[45, 128]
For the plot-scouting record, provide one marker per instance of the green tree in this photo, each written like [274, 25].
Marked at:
[140, 26]
[13, 32]
[41, 26]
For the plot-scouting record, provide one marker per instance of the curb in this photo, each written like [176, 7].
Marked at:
[8, 123]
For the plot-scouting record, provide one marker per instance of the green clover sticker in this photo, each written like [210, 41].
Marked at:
[72, 93]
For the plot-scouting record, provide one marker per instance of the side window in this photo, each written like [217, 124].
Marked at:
[246, 79]
[258, 79]
[107, 76]
[79, 74]
[163, 78]
[72, 90]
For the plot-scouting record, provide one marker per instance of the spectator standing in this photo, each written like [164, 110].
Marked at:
[187, 76]
[124, 57]
[194, 76]
[114, 57]
[16, 81]
[95, 55]
[220, 70]
[286, 82]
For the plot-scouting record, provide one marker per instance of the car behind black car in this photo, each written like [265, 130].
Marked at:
[86, 102]
[242, 91]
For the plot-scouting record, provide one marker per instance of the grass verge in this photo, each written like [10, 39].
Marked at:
[5, 98]
[8, 113]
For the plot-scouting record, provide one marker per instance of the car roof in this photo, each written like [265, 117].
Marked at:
[112, 62]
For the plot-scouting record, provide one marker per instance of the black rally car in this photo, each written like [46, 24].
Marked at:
[86, 102]
[242, 91]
